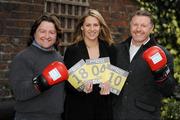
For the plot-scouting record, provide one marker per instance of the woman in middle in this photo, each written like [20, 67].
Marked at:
[92, 39]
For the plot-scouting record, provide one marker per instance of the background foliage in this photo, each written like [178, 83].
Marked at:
[166, 14]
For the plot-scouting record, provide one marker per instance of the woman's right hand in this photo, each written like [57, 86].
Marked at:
[88, 87]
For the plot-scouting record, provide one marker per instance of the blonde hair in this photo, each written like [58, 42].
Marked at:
[104, 34]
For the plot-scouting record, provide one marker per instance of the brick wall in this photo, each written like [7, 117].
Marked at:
[117, 14]
[17, 16]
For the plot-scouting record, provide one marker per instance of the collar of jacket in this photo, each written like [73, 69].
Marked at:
[103, 46]
[150, 43]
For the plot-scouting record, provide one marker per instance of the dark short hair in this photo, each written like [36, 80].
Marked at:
[144, 13]
[49, 18]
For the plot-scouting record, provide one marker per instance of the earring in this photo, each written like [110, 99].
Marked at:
[81, 28]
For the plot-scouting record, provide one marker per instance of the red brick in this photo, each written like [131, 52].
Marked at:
[120, 23]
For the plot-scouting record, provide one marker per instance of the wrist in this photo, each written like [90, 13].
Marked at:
[161, 74]
[40, 83]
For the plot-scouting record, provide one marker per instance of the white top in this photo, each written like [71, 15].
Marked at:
[134, 48]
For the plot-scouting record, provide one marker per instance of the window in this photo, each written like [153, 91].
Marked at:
[68, 12]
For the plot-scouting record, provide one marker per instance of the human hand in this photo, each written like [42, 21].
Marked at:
[105, 88]
[157, 61]
[54, 73]
[88, 87]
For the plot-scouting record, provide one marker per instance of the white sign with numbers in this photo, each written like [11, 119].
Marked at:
[96, 68]
[117, 77]
[99, 71]
[78, 75]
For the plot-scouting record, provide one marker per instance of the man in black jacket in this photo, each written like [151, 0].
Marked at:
[148, 82]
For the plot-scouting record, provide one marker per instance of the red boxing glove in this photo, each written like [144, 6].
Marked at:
[54, 73]
[156, 59]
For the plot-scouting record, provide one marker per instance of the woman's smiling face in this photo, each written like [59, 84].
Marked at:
[91, 28]
[46, 34]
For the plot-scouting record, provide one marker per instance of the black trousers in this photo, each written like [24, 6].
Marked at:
[36, 116]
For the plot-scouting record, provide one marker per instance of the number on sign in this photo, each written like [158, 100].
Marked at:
[115, 79]
[83, 73]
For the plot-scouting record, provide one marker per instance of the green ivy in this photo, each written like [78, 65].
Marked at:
[170, 110]
[166, 14]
